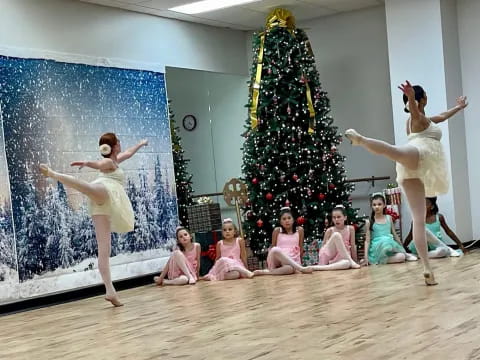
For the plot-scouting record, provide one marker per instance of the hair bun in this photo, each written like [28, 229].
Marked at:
[227, 220]
[339, 206]
[105, 149]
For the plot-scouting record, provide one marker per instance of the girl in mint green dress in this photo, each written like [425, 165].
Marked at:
[434, 222]
[382, 243]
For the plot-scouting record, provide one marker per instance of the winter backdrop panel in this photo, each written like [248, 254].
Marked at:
[54, 112]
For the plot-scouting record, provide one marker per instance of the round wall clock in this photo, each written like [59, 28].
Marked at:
[189, 122]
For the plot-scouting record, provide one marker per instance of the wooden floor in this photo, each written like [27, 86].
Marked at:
[380, 312]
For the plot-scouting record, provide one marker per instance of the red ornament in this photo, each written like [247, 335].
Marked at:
[331, 186]
[295, 177]
[287, 203]
[248, 203]
[321, 197]
[300, 220]
[260, 223]
[269, 196]
[355, 226]
[254, 181]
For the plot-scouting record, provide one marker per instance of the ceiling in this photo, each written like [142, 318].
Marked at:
[246, 17]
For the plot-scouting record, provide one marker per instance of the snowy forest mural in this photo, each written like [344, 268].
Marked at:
[54, 112]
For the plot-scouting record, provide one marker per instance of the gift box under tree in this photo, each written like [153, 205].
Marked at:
[208, 243]
[204, 217]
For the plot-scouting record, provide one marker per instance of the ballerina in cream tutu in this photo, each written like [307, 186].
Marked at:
[421, 165]
[110, 207]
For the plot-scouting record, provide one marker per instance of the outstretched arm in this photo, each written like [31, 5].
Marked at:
[461, 104]
[301, 236]
[451, 234]
[367, 241]
[127, 154]
[353, 244]
[394, 232]
[104, 164]
[243, 252]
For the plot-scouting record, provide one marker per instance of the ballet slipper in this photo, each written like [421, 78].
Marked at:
[354, 265]
[114, 300]
[429, 279]
[306, 270]
[353, 136]
[250, 275]
[45, 170]
[158, 280]
[261, 272]
[191, 281]
[410, 257]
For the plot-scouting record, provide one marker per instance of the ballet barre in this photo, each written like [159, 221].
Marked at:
[211, 194]
[369, 179]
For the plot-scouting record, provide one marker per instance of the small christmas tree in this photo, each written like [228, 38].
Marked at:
[183, 179]
[290, 152]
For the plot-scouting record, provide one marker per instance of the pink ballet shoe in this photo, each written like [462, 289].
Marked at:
[306, 270]
[114, 301]
[158, 280]
[429, 279]
[354, 265]
[191, 281]
[353, 136]
[260, 272]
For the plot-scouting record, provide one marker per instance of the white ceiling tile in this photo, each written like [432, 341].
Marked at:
[344, 5]
[246, 17]
[130, 1]
[268, 5]
[164, 4]
[237, 15]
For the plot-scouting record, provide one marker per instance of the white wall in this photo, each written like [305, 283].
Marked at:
[456, 126]
[468, 30]
[352, 58]
[217, 101]
[71, 26]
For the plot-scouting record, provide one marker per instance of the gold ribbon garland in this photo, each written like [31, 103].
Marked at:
[256, 85]
[311, 109]
[281, 18]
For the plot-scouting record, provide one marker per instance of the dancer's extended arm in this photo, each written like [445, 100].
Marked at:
[103, 165]
[461, 104]
[127, 154]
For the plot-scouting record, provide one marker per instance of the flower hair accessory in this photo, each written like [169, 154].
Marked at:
[227, 220]
[285, 208]
[105, 149]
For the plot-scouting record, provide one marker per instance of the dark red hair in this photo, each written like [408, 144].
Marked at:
[109, 139]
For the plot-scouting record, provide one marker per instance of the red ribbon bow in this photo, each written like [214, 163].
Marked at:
[393, 214]
[211, 252]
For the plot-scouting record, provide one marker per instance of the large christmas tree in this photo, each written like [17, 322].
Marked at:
[290, 152]
[183, 179]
